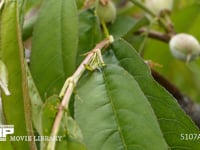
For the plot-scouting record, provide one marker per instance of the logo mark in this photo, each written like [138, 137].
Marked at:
[5, 130]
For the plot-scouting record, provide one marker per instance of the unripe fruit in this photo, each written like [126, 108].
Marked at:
[184, 47]
[107, 12]
[159, 5]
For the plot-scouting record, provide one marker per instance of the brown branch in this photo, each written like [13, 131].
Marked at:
[154, 34]
[191, 108]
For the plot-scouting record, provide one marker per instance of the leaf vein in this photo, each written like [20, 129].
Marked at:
[115, 113]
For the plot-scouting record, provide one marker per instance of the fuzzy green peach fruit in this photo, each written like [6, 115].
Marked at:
[184, 47]
[107, 12]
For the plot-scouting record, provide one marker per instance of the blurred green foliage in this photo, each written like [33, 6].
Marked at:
[63, 35]
[186, 18]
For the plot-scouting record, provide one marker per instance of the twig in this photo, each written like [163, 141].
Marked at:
[72, 82]
[154, 34]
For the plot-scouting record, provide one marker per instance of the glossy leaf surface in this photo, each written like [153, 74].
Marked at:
[173, 121]
[54, 49]
[114, 114]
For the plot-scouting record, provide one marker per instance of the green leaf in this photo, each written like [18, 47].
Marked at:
[114, 114]
[80, 3]
[16, 107]
[89, 32]
[173, 121]
[54, 50]
[122, 26]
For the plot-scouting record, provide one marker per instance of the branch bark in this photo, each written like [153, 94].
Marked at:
[154, 34]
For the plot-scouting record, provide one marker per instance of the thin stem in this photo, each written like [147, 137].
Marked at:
[155, 35]
[74, 79]
[105, 29]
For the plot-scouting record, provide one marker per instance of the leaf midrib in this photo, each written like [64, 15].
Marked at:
[114, 112]
[62, 37]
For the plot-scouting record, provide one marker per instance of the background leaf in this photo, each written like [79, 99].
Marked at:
[126, 25]
[122, 26]
[89, 32]
[113, 113]
[184, 76]
[54, 48]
